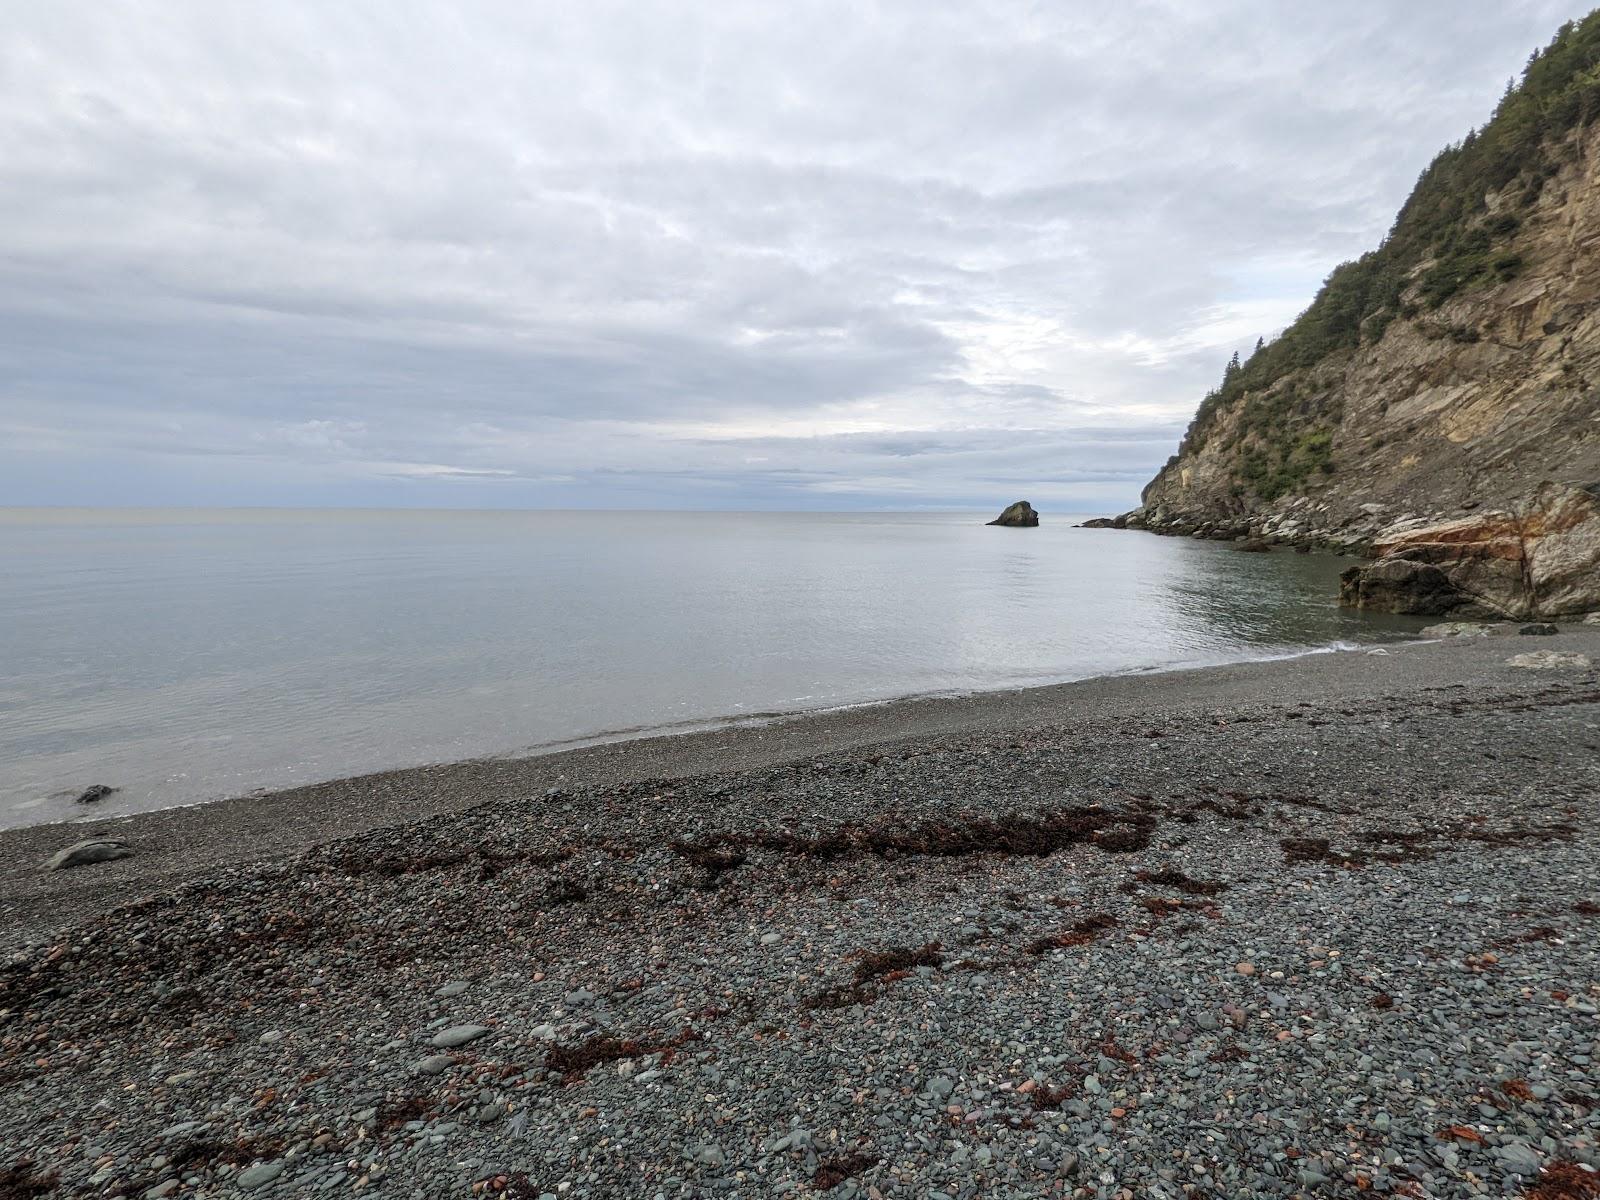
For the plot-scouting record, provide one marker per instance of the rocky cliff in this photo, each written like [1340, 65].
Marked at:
[1439, 402]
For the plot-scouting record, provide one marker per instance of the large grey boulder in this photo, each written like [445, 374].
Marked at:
[1399, 585]
[458, 1035]
[92, 850]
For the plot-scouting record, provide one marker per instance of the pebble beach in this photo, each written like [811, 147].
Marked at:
[1320, 927]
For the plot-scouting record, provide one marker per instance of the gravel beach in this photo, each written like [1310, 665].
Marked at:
[1320, 927]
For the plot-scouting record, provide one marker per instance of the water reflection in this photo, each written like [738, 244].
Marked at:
[185, 656]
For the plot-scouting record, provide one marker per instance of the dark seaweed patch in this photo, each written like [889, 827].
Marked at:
[897, 958]
[19, 1181]
[490, 863]
[872, 972]
[1047, 1099]
[1300, 850]
[834, 1171]
[1565, 1180]
[1169, 877]
[1036, 836]
[573, 1062]
[1079, 934]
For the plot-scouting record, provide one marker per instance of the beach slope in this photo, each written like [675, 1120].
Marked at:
[1317, 927]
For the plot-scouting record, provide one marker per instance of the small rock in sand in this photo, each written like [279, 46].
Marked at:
[458, 1035]
[259, 1175]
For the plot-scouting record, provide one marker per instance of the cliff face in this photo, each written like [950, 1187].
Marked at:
[1473, 404]
[1450, 378]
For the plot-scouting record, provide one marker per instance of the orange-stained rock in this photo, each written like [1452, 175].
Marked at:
[1542, 561]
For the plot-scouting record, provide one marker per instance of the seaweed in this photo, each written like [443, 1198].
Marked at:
[1078, 934]
[19, 1181]
[896, 959]
[574, 1062]
[1032, 836]
[1047, 1099]
[1565, 1180]
[834, 1171]
[1170, 877]
[872, 971]
[1298, 850]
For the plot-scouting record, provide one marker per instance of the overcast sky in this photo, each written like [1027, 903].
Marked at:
[734, 255]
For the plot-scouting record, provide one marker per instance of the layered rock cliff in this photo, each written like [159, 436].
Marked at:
[1440, 399]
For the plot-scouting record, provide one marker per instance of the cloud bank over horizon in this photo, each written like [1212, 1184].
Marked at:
[818, 255]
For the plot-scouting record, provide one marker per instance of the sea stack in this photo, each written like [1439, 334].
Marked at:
[1017, 516]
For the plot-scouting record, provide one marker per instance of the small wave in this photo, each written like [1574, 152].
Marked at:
[759, 718]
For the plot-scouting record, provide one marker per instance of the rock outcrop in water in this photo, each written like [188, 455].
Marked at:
[1438, 405]
[1017, 516]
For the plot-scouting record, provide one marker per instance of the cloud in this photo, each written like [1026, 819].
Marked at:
[623, 254]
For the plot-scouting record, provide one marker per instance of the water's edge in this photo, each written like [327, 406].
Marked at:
[747, 721]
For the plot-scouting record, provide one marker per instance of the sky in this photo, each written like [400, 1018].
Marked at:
[797, 255]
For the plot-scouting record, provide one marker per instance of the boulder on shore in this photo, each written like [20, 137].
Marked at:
[1543, 561]
[1399, 585]
[1550, 660]
[93, 850]
[1017, 516]
[1446, 629]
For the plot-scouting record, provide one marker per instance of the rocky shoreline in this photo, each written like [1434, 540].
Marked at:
[1316, 928]
[1537, 559]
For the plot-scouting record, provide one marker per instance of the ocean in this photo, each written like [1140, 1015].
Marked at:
[189, 655]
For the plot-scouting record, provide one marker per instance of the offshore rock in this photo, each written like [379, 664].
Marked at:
[1017, 516]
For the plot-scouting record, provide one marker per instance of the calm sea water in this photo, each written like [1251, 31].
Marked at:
[189, 655]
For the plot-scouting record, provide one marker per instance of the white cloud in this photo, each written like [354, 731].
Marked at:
[617, 253]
